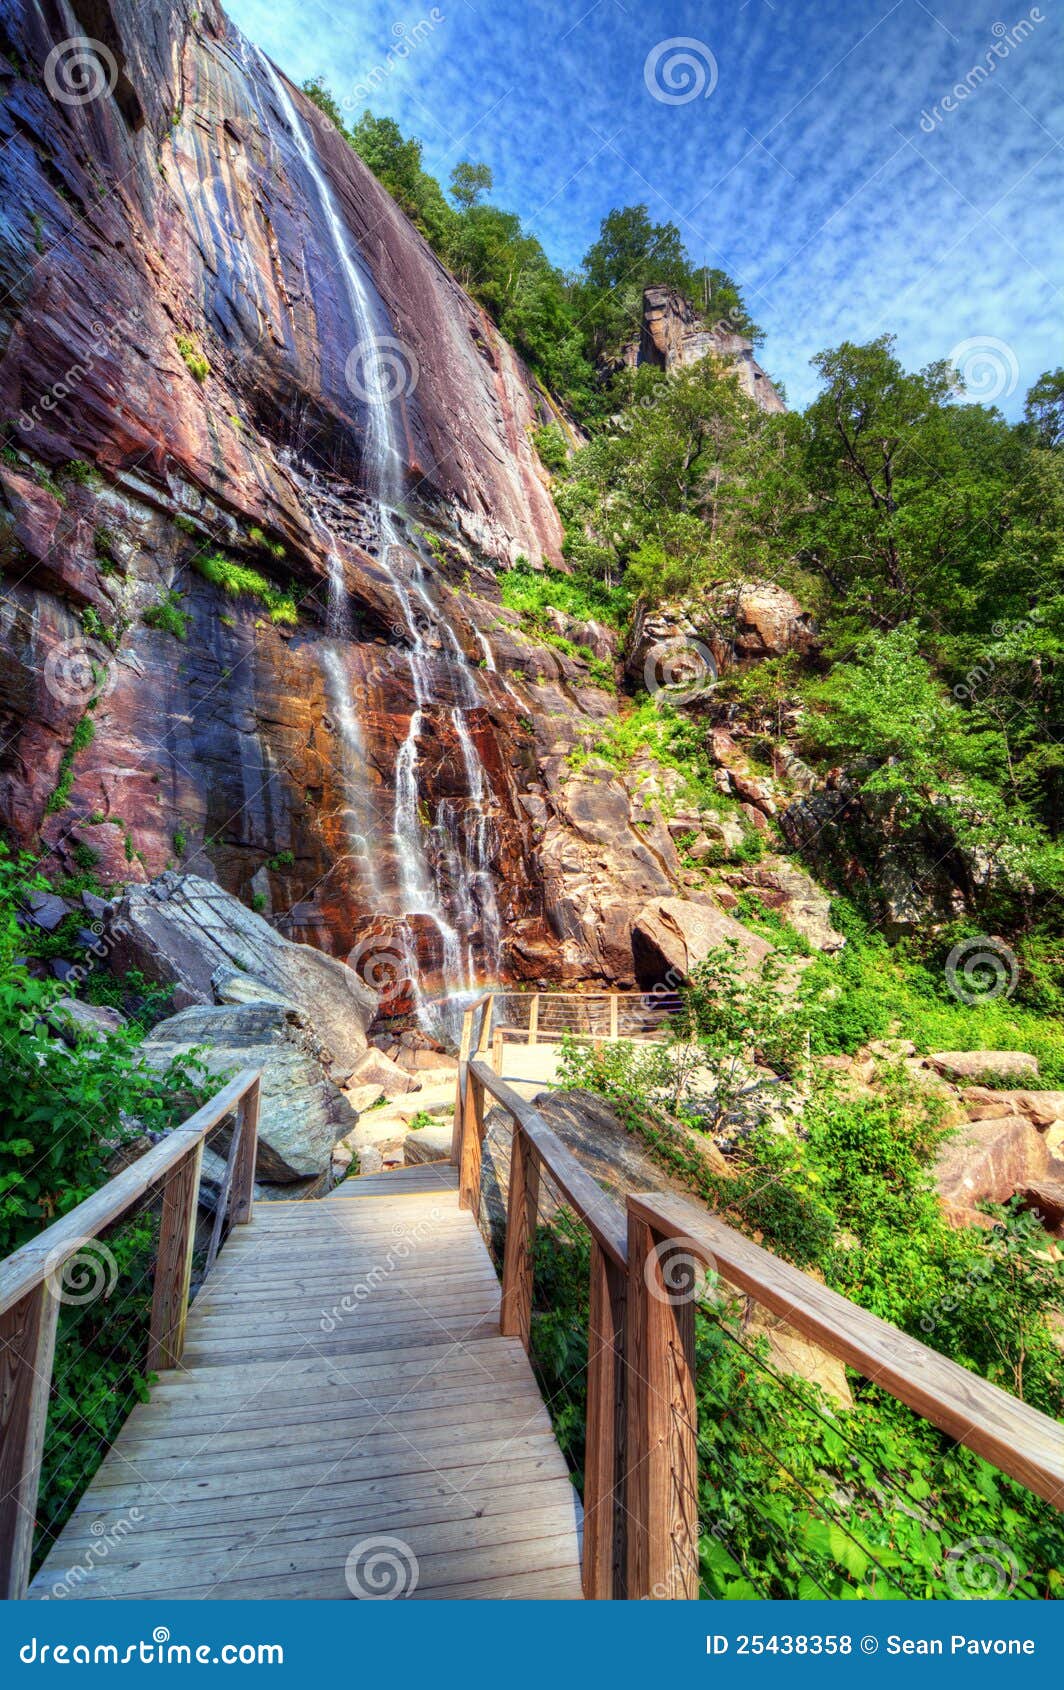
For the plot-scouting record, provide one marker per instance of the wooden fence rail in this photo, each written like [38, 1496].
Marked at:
[31, 1291]
[641, 1472]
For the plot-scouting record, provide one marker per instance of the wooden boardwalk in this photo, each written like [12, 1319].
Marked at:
[346, 1421]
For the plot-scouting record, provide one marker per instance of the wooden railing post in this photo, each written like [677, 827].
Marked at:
[604, 1571]
[27, 1348]
[661, 1490]
[243, 1196]
[533, 1020]
[613, 1015]
[173, 1264]
[465, 1045]
[521, 1211]
[496, 1050]
[472, 1140]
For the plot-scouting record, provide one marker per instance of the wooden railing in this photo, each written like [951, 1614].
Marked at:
[641, 1468]
[31, 1281]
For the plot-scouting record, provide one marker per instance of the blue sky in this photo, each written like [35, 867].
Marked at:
[810, 162]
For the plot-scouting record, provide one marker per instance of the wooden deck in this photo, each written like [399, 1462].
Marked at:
[346, 1421]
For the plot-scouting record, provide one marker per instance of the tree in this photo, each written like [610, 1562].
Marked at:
[468, 182]
[1044, 410]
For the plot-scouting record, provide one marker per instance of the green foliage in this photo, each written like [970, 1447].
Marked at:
[81, 473]
[195, 361]
[236, 580]
[168, 615]
[67, 1107]
[180, 841]
[852, 1197]
[552, 446]
[80, 740]
[280, 860]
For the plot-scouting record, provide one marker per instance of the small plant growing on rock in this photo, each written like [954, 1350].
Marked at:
[83, 474]
[168, 616]
[195, 362]
[282, 859]
[237, 581]
[180, 841]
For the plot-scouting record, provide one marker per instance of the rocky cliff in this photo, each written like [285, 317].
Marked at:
[674, 334]
[263, 461]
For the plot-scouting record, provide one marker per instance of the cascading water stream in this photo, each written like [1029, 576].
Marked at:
[418, 892]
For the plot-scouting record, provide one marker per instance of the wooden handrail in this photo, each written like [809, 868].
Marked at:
[45, 1255]
[641, 1467]
[31, 1292]
[601, 1213]
[536, 1150]
[1012, 1436]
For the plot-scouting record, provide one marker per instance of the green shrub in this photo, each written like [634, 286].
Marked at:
[82, 737]
[552, 447]
[64, 1106]
[236, 580]
[81, 473]
[168, 616]
[195, 362]
[281, 859]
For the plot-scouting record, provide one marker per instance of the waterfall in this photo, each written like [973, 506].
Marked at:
[418, 892]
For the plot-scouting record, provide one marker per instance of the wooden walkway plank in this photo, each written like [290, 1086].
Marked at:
[343, 1383]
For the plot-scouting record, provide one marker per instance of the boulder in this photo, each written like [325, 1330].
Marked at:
[86, 1017]
[375, 1069]
[671, 935]
[975, 1065]
[587, 1126]
[183, 930]
[46, 910]
[302, 1114]
[429, 1144]
[1046, 1198]
[762, 620]
[1042, 1108]
[796, 895]
[988, 1162]
[791, 1352]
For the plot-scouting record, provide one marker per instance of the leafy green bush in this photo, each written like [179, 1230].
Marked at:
[168, 616]
[552, 446]
[195, 362]
[236, 580]
[67, 1108]
[800, 1498]
[82, 737]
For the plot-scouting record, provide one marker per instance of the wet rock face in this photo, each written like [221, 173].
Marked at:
[181, 362]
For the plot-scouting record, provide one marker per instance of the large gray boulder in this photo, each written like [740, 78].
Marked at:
[184, 931]
[302, 1112]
